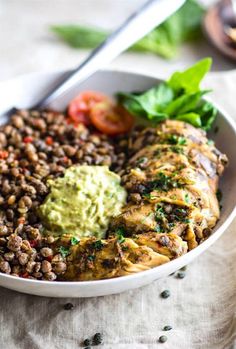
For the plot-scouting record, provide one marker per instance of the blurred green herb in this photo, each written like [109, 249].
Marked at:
[184, 25]
[120, 235]
[178, 98]
[64, 251]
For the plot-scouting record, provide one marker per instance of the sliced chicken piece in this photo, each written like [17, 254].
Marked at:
[179, 168]
[94, 259]
[169, 245]
[136, 219]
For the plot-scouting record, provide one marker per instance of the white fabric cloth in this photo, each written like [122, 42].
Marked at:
[201, 308]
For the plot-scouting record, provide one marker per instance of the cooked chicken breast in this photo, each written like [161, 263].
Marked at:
[172, 179]
[94, 259]
[173, 183]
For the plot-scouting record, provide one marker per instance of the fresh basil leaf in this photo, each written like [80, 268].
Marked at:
[183, 104]
[149, 104]
[131, 104]
[184, 25]
[134, 107]
[180, 98]
[192, 118]
[189, 80]
[190, 16]
[156, 99]
[208, 114]
[79, 37]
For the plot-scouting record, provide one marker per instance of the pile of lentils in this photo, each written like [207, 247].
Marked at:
[36, 146]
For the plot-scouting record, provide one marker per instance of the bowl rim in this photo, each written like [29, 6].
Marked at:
[105, 282]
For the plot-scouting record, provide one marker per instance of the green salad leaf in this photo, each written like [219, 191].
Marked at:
[178, 98]
[189, 80]
[182, 26]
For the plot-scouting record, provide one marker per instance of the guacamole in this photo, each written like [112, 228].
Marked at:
[83, 201]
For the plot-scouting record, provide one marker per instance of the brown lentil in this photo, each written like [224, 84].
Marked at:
[46, 266]
[59, 268]
[23, 258]
[36, 146]
[5, 267]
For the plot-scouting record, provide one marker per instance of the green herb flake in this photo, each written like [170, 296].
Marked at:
[74, 241]
[186, 198]
[210, 142]
[120, 235]
[163, 182]
[177, 149]
[141, 160]
[98, 245]
[158, 229]
[91, 258]
[176, 140]
[64, 251]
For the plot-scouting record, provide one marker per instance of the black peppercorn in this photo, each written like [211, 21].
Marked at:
[68, 306]
[97, 339]
[165, 294]
[180, 275]
[167, 328]
[87, 342]
[162, 339]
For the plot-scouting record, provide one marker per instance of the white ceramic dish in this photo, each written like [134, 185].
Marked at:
[23, 92]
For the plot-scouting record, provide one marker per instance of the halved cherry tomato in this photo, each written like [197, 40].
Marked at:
[80, 107]
[111, 119]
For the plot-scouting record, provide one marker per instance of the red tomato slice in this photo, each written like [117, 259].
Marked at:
[80, 107]
[111, 119]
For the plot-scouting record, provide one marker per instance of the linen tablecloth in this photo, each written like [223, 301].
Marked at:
[201, 308]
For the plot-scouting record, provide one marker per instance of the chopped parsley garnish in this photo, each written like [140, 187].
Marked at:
[163, 182]
[74, 241]
[186, 198]
[180, 214]
[120, 235]
[167, 220]
[120, 239]
[98, 245]
[177, 140]
[147, 196]
[159, 214]
[90, 258]
[64, 251]
[180, 211]
[159, 229]
[177, 149]
[141, 160]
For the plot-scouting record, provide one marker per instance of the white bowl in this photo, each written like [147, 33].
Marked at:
[24, 91]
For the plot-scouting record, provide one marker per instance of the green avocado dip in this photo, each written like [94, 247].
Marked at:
[83, 201]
